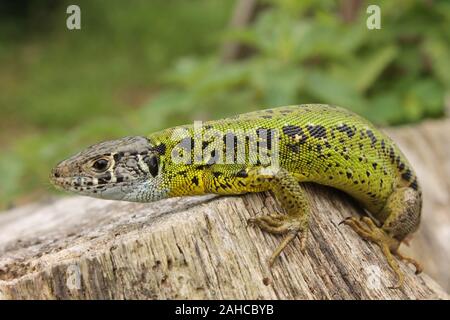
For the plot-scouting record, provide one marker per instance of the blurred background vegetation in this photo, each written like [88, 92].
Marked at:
[140, 66]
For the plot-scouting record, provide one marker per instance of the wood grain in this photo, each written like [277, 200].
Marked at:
[202, 248]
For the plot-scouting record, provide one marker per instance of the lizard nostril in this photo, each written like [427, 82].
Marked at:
[56, 174]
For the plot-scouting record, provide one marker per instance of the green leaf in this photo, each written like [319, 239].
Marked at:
[370, 69]
[332, 91]
[11, 170]
[439, 53]
[385, 108]
[431, 96]
[277, 84]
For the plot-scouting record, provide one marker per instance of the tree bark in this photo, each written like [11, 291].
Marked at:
[202, 247]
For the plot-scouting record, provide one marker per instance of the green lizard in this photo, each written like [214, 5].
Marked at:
[324, 144]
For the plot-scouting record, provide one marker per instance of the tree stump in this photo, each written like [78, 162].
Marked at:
[202, 247]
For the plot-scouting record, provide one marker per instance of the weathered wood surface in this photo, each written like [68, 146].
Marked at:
[201, 247]
[428, 148]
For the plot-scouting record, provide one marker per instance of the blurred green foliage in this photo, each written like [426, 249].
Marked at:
[133, 69]
[62, 90]
[62, 78]
[306, 53]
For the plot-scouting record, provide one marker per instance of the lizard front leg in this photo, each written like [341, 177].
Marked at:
[292, 198]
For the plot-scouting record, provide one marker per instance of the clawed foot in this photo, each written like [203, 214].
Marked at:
[368, 230]
[282, 224]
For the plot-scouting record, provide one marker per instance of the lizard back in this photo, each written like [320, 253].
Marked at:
[324, 144]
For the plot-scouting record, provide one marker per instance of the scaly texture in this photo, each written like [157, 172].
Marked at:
[273, 150]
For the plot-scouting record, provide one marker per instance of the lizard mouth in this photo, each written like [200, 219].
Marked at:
[57, 183]
[88, 185]
[66, 183]
[56, 179]
[80, 185]
[69, 183]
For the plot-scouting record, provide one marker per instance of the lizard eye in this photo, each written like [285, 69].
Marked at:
[100, 165]
[152, 163]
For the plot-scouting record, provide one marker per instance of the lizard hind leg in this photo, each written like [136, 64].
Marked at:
[401, 216]
[403, 212]
[292, 199]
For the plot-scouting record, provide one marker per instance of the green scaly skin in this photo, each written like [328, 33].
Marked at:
[324, 144]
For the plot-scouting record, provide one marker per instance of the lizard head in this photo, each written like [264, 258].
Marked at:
[123, 169]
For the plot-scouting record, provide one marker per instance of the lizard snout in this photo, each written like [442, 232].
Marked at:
[59, 174]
